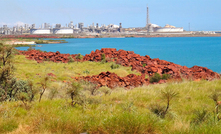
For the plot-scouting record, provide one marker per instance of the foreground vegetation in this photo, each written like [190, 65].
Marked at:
[42, 103]
[30, 69]
[122, 111]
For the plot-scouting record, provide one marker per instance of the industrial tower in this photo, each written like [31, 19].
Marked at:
[148, 24]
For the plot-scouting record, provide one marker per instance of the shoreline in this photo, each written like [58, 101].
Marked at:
[17, 42]
[107, 36]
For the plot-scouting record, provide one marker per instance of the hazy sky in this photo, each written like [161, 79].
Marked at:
[201, 14]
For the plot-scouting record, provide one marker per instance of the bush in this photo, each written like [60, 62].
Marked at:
[8, 126]
[44, 86]
[103, 58]
[86, 71]
[200, 116]
[91, 87]
[114, 66]
[155, 78]
[41, 42]
[7, 82]
[165, 76]
[26, 91]
[70, 59]
[157, 109]
[74, 91]
[105, 90]
[166, 95]
[53, 92]
[79, 57]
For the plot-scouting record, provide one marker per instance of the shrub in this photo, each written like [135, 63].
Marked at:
[74, 91]
[215, 97]
[41, 42]
[53, 92]
[86, 71]
[70, 59]
[168, 95]
[26, 91]
[200, 116]
[161, 110]
[46, 59]
[103, 58]
[157, 109]
[10, 87]
[91, 87]
[165, 76]
[155, 78]
[7, 82]
[8, 126]
[105, 90]
[79, 57]
[114, 66]
[44, 85]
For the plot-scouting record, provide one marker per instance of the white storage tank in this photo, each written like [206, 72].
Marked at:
[63, 31]
[40, 31]
[168, 30]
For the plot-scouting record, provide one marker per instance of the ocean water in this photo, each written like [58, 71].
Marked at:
[186, 51]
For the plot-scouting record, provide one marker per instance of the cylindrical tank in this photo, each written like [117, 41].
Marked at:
[63, 31]
[40, 31]
[168, 29]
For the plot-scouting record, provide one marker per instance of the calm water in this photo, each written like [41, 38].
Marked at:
[188, 51]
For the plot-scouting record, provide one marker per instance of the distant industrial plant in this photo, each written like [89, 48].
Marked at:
[59, 29]
[155, 28]
[79, 28]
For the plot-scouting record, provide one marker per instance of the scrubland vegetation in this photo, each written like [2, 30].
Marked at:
[48, 100]
[37, 41]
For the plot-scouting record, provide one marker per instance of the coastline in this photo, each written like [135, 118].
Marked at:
[108, 36]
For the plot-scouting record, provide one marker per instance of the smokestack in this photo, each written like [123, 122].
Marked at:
[148, 22]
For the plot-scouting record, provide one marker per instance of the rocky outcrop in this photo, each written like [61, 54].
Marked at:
[112, 80]
[47, 56]
[144, 64]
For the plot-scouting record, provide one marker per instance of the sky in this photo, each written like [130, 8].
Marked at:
[200, 15]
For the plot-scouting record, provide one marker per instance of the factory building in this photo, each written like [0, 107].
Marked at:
[157, 29]
[39, 31]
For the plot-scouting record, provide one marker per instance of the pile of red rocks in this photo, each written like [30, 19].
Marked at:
[47, 56]
[112, 80]
[144, 64]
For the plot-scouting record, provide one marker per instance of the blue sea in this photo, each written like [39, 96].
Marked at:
[186, 51]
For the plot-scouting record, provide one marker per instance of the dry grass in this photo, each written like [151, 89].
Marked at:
[121, 111]
[30, 69]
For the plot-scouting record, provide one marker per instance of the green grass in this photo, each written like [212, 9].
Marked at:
[122, 111]
[30, 69]
[23, 45]
[37, 41]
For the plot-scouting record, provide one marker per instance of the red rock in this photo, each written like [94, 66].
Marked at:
[129, 58]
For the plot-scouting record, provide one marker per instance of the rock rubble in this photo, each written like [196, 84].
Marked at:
[143, 64]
